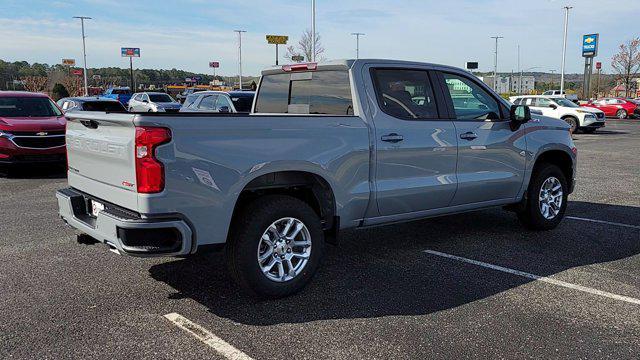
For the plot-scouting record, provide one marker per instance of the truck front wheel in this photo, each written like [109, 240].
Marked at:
[276, 246]
[546, 198]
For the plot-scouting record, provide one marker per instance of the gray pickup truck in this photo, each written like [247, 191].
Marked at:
[345, 144]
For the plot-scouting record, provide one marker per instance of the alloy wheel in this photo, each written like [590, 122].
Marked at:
[284, 249]
[550, 198]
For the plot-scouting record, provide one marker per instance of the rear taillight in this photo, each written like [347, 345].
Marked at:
[149, 171]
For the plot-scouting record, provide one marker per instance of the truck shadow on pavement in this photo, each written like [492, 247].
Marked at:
[384, 271]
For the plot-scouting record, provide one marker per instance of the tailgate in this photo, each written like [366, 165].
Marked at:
[100, 153]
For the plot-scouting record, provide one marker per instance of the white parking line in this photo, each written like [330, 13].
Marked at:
[537, 277]
[222, 347]
[604, 222]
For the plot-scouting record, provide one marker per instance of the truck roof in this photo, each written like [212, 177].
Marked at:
[349, 63]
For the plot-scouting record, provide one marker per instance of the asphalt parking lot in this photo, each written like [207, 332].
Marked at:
[465, 286]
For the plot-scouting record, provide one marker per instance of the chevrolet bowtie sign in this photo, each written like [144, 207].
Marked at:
[590, 45]
[277, 39]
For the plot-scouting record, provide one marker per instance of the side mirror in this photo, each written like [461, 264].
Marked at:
[553, 106]
[145, 101]
[224, 109]
[520, 114]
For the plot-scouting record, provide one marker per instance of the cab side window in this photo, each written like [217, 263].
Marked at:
[470, 101]
[405, 94]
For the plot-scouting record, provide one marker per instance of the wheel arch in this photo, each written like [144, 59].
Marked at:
[307, 186]
[561, 159]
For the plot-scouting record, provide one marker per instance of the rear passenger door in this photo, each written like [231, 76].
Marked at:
[491, 154]
[415, 150]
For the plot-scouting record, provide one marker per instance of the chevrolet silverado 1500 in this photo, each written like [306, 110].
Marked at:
[345, 144]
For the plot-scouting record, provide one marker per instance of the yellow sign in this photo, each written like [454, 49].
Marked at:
[277, 39]
[69, 62]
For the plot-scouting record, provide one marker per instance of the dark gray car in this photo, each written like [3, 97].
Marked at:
[346, 144]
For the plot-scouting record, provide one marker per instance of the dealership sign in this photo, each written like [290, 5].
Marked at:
[277, 39]
[69, 62]
[214, 64]
[590, 45]
[130, 52]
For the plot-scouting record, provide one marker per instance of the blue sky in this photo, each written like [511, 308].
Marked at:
[187, 34]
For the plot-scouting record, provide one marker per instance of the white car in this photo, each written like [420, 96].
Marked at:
[153, 102]
[208, 101]
[580, 118]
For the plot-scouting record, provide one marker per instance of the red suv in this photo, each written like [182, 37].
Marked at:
[31, 129]
[619, 108]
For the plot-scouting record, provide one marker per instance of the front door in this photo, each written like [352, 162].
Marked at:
[415, 148]
[491, 155]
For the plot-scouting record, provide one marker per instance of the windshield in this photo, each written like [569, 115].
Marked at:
[121, 91]
[564, 102]
[28, 107]
[160, 98]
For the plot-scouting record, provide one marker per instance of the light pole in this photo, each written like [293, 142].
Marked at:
[553, 72]
[564, 47]
[84, 52]
[357, 35]
[240, 56]
[313, 30]
[495, 63]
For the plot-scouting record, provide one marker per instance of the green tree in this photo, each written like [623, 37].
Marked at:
[59, 92]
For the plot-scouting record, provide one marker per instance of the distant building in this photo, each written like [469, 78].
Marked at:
[511, 84]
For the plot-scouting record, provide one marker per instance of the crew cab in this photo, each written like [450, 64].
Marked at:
[331, 146]
[122, 94]
[585, 119]
[31, 129]
[614, 107]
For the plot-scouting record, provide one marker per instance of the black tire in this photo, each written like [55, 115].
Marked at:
[242, 249]
[531, 216]
[573, 122]
[621, 114]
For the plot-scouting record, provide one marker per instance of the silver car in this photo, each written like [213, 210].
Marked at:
[208, 101]
[153, 102]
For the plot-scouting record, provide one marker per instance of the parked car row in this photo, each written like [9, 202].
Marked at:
[585, 119]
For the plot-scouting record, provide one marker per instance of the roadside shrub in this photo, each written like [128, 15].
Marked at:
[59, 92]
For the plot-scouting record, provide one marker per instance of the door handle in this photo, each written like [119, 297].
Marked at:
[469, 136]
[392, 138]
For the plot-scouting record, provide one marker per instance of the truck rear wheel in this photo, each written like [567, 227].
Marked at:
[276, 246]
[546, 198]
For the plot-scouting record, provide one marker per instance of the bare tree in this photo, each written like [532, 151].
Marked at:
[35, 83]
[626, 62]
[304, 47]
[74, 85]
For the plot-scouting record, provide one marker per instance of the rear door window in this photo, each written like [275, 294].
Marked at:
[326, 92]
[405, 94]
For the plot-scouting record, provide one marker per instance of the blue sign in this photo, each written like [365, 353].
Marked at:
[590, 45]
[130, 52]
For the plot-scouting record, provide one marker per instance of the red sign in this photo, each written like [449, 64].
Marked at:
[77, 72]
[598, 65]
[214, 64]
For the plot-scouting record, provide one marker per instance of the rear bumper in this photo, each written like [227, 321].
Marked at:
[125, 231]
